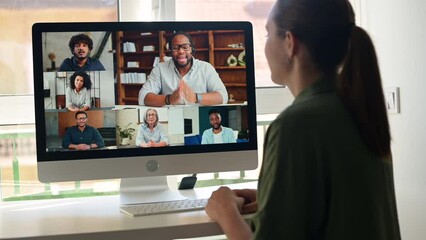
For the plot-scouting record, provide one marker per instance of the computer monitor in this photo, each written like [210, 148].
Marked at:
[118, 59]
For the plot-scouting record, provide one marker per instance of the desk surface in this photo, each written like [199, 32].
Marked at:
[100, 218]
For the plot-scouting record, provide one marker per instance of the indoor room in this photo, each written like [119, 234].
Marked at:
[396, 31]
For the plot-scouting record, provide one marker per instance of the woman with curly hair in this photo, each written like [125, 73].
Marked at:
[77, 95]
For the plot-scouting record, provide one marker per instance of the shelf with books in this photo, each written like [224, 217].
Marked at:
[212, 46]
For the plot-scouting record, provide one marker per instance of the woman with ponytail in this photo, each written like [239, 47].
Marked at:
[327, 164]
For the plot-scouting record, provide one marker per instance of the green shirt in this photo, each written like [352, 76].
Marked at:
[318, 179]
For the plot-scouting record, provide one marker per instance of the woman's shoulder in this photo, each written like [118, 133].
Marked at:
[313, 112]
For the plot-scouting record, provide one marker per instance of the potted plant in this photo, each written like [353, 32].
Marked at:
[125, 133]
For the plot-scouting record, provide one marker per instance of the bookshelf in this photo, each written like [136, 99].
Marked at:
[140, 49]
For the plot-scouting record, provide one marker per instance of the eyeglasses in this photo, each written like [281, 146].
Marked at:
[185, 47]
[81, 119]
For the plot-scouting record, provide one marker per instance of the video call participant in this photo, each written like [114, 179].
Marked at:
[81, 45]
[151, 133]
[327, 162]
[82, 136]
[184, 79]
[218, 133]
[77, 95]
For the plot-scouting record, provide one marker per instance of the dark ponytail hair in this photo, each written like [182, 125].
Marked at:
[359, 85]
[344, 52]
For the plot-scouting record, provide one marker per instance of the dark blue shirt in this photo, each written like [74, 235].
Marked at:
[70, 64]
[88, 136]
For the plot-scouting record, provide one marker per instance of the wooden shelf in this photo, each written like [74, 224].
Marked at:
[140, 53]
[130, 99]
[192, 33]
[133, 84]
[229, 31]
[229, 49]
[236, 84]
[236, 102]
[135, 69]
[137, 36]
[229, 68]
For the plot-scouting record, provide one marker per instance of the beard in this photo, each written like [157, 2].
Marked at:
[216, 126]
[81, 55]
[178, 65]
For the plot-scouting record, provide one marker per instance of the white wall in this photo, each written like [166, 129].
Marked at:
[272, 100]
[397, 29]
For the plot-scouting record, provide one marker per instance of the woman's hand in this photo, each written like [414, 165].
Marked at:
[224, 207]
[250, 201]
[222, 203]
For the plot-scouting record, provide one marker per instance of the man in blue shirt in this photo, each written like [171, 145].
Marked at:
[218, 133]
[81, 45]
[82, 136]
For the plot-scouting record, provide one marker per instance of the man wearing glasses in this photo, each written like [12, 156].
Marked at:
[184, 80]
[82, 136]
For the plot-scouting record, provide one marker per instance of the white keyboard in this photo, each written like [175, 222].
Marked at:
[163, 207]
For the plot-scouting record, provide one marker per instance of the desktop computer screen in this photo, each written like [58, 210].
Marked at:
[143, 99]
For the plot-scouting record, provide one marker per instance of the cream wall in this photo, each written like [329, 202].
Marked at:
[397, 29]
[16, 70]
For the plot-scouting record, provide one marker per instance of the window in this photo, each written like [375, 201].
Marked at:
[18, 176]
[15, 46]
[255, 11]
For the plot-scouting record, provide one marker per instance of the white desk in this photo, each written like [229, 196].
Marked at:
[100, 218]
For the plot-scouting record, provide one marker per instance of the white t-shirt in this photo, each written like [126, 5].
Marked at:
[217, 137]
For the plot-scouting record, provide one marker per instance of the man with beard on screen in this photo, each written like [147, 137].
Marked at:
[82, 136]
[218, 133]
[183, 79]
[81, 45]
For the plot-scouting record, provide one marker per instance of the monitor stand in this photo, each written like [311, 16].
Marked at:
[146, 190]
